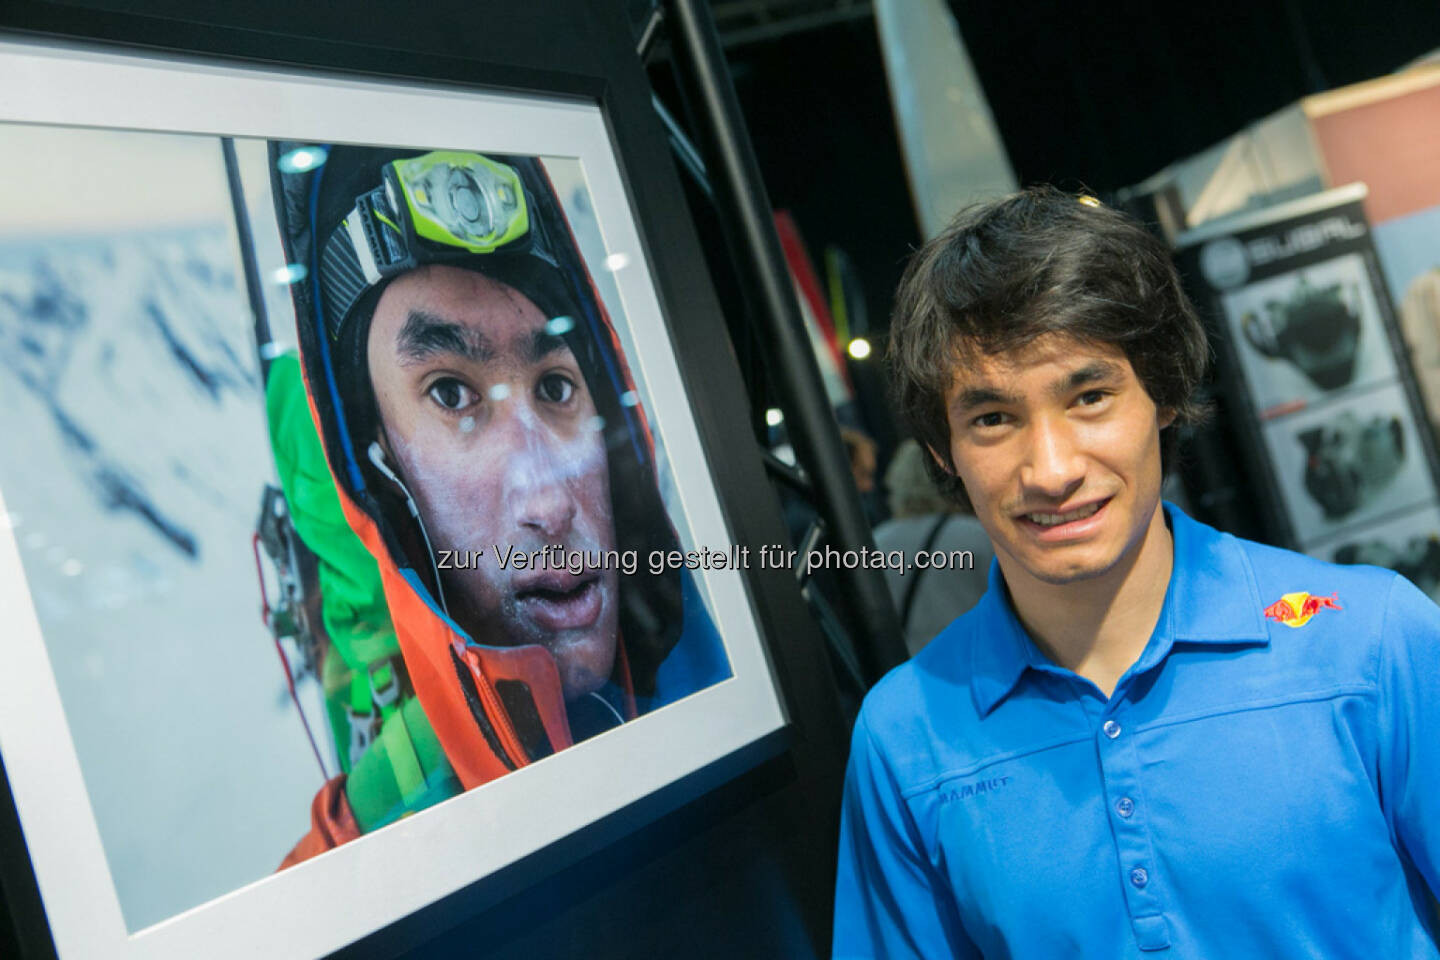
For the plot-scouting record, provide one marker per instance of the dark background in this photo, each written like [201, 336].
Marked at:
[1100, 93]
[1110, 92]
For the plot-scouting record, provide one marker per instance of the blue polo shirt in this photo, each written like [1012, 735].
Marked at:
[1253, 788]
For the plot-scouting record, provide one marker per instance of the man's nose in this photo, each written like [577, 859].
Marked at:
[1054, 466]
[538, 480]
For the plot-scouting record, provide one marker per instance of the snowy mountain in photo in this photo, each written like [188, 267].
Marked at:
[134, 456]
[76, 317]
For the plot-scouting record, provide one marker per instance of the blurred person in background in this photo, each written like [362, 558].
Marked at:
[864, 464]
[922, 520]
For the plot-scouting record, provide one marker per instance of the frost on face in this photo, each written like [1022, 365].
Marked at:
[549, 480]
[510, 478]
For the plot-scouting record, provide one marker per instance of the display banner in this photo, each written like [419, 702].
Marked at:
[1311, 356]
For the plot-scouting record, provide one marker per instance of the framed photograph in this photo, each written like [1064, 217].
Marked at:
[1349, 463]
[1309, 333]
[355, 521]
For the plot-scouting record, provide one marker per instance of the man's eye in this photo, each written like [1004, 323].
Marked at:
[1092, 397]
[452, 394]
[992, 419]
[555, 388]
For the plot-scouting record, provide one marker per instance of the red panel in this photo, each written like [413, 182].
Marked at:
[1392, 145]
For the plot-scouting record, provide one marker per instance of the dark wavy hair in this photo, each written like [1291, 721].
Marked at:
[1039, 262]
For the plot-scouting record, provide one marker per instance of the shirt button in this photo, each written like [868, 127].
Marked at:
[1125, 806]
[1112, 729]
[1139, 877]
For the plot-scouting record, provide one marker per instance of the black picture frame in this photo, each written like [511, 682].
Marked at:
[585, 51]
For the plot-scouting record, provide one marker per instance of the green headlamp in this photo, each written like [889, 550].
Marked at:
[439, 206]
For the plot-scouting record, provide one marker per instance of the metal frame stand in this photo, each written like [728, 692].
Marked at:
[744, 210]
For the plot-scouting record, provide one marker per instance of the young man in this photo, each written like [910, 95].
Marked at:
[1148, 738]
[489, 451]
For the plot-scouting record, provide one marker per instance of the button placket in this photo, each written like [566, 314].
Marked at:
[1120, 770]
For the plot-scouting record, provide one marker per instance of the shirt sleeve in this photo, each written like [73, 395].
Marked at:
[1409, 718]
[888, 900]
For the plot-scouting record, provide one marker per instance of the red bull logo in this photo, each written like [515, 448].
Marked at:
[1296, 609]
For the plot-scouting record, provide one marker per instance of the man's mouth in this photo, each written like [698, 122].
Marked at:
[1063, 521]
[1055, 519]
[561, 602]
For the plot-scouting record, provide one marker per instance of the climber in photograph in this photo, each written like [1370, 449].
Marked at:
[479, 417]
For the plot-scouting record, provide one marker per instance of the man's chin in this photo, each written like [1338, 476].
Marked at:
[1059, 568]
[586, 657]
[585, 663]
[1076, 574]
[580, 635]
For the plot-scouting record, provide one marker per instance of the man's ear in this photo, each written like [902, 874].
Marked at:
[942, 462]
[380, 455]
[384, 442]
[1166, 416]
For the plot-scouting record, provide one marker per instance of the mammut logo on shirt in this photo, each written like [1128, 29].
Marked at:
[968, 790]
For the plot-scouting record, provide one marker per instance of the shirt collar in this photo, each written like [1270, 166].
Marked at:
[1211, 598]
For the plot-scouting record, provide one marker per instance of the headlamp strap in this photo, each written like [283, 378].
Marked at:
[366, 247]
